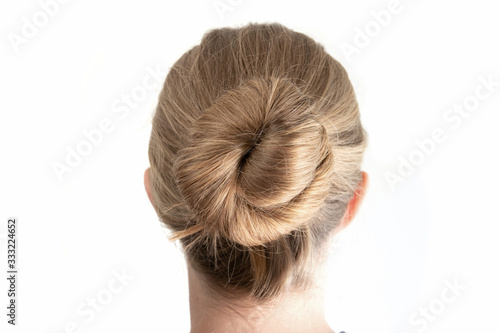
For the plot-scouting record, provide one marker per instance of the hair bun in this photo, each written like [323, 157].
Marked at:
[258, 164]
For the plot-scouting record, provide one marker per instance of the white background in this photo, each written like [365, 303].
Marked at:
[439, 225]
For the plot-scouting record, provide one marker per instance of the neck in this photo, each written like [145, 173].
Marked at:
[303, 313]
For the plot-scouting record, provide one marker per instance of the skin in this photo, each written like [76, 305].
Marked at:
[295, 313]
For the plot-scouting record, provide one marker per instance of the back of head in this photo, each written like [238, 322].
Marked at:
[255, 153]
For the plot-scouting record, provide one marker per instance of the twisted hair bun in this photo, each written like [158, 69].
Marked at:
[255, 153]
[259, 163]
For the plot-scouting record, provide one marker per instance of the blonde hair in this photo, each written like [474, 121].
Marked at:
[255, 152]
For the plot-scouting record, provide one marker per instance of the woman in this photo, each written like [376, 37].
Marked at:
[255, 157]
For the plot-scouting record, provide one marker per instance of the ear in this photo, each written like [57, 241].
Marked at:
[147, 185]
[355, 202]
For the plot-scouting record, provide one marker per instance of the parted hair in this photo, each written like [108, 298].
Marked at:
[255, 152]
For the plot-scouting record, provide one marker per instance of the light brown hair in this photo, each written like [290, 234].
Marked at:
[255, 152]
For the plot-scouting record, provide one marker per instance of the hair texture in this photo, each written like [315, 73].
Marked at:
[255, 153]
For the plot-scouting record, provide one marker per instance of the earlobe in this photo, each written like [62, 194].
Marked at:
[147, 185]
[355, 202]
